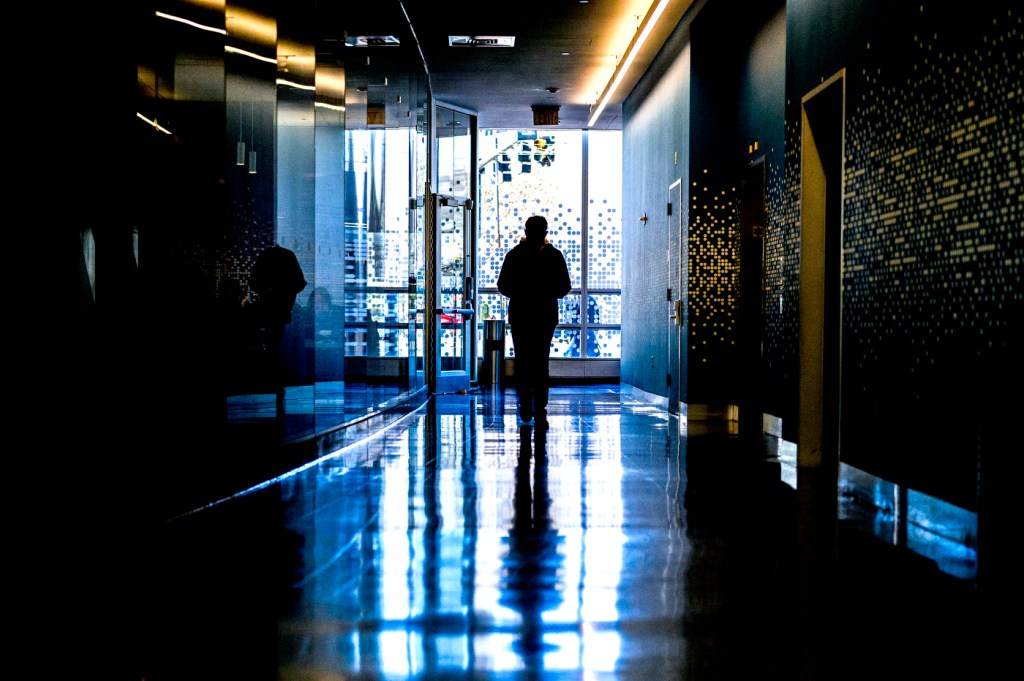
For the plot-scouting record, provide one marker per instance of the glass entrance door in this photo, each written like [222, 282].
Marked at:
[454, 311]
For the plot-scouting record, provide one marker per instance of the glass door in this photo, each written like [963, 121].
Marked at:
[454, 311]
[452, 244]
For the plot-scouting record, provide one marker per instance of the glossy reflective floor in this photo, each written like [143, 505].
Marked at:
[616, 544]
[308, 409]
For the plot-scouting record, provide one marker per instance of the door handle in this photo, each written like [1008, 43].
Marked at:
[677, 314]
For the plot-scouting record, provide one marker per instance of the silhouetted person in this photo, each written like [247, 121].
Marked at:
[276, 280]
[533, 276]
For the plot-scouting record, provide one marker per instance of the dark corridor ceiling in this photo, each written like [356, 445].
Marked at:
[563, 55]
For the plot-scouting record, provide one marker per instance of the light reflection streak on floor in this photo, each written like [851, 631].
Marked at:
[462, 543]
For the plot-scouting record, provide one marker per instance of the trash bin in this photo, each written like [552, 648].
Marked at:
[493, 370]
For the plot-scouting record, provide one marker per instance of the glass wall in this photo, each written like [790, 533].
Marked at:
[454, 156]
[573, 178]
[254, 133]
[258, 133]
[603, 175]
[380, 252]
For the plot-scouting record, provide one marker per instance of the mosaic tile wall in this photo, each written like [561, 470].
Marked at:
[932, 255]
[932, 243]
[933, 207]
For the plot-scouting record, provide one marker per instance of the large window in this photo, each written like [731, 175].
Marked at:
[573, 178]
[378, 254]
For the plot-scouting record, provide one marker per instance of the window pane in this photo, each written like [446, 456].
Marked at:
[605, 343]
[527, 172]
[604, 309]
[604, 212]
[524, 173]
[566, 343]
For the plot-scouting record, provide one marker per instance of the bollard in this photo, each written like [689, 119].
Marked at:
[493, 370]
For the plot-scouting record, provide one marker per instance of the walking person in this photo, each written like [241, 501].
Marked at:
[533, 276]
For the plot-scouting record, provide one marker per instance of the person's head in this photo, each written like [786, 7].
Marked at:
[320, 298]
[536, 228]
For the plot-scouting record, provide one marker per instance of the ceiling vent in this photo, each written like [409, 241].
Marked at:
[371, 41]
[481, 41]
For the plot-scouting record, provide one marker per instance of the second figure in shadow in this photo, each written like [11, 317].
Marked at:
[533, 276]
[276, 281]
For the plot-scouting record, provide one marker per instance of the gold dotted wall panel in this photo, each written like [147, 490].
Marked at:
[713, 270]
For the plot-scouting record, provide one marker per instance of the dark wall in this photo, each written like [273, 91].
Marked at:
[931, 293]
[159, 236]
[931, 286]
[738, 87]
[655, 147]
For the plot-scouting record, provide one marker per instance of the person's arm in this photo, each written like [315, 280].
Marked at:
[505, 283]
[564, 282]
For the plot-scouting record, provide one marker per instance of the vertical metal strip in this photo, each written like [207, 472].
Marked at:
[430, 352]
[584, 237]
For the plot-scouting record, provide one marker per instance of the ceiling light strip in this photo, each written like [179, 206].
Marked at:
[292, 83]
[155, 125]
[246, 53]
[212, 29]
[634, 48]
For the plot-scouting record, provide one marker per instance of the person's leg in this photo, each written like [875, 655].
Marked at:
[275, 335]
[523, 367]
[542, 375]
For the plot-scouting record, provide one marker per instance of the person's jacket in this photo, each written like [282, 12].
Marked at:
[277, 279]
[534, 278]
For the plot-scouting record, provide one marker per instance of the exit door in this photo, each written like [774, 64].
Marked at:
[454, 308]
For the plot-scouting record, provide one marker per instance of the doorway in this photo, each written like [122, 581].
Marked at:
[677, 301]
[454, 318]
[450, 252]
[750, 318]
[820, 320]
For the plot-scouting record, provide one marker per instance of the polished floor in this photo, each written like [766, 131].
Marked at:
[618, 543]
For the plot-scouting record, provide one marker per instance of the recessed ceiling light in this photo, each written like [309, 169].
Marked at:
[371, 41]
[481, 41]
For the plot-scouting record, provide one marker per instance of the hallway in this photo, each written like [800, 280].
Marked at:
[454, 544]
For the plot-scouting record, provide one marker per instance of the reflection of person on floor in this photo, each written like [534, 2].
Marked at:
[276, 280]
[533, 276]
[532, 563]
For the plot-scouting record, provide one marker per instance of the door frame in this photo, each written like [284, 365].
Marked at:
[750, 319]
[452, 379]
[677, 300]
[820, 305]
